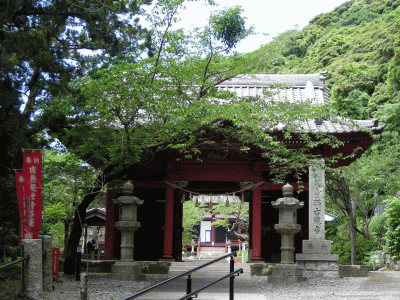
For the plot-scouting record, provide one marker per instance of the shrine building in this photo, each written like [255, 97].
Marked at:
[164, 183]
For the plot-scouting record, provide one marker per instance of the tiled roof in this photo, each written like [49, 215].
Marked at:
[317, 79]
[297, 88]
[336, 127]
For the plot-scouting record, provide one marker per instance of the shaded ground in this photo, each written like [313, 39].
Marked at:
[10, 283]
[378, 286]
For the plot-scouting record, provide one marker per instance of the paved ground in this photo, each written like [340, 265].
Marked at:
[378, 286]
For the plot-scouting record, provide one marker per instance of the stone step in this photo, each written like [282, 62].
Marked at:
[211, 252]
[215, 270]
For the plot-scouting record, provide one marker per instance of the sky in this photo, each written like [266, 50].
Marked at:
[268, 17]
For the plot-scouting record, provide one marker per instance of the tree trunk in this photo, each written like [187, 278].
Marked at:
[79, 219]
[73, 241]
[352, 231]
[339, 193]
[353, 237]
[66, 237]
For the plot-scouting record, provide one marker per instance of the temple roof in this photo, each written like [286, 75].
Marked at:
[297, 88]
[333, 127]
[292, 88]
[317, 79]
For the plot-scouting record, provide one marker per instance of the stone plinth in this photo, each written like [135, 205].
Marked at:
[286, 274]
[33, 268]
[318, 265]
[46, 264]
[353, 271]
[126, 270]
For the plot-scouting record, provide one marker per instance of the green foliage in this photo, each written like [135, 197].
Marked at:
[357, 44]
[229, 26]
[240, 210]
[392, 236]
[243, 254]
[43, 46]
[377, 226]
[363, 248]
[192, 216]
[9, 219]
[66, 179]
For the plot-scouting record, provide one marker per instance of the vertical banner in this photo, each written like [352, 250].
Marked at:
[29, 183]
[55, 262]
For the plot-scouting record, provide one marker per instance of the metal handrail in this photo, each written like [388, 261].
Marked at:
[27, 257]
[236, 272]
[184, 274]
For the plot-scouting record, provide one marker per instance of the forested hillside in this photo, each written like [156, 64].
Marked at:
[358, 43]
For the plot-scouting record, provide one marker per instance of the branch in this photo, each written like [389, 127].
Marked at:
[162, 43]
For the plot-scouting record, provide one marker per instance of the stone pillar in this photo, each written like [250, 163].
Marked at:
[256, 226]
[126, 268]
[169, 224]
[46, 265]
[33, 270]
[316, 209]
[317, 258]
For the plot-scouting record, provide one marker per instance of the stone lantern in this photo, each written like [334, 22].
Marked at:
[287, 271]
[287, 226]
[126, 267]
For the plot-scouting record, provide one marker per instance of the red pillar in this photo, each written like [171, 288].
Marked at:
[111, 245]
[169, 224]
[256, 226]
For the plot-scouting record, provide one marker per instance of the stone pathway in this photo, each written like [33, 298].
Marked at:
[378, 286]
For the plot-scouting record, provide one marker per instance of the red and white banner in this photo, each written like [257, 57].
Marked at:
[29, 184]
[55, 262]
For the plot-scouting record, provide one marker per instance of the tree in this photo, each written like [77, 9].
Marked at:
[133, 104]
[66, 178]
[339, 194]
[192, 216]
[392, 245]
[43, 46]
[138, 106]
[241, 213]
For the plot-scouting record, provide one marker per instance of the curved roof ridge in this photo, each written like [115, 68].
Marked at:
[317, 79]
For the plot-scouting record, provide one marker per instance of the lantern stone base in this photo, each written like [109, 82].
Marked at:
[126, 270]
[321, 265]
[286, 274]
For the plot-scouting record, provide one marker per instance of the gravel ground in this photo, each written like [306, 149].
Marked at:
[378, 286]
[100, 287]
